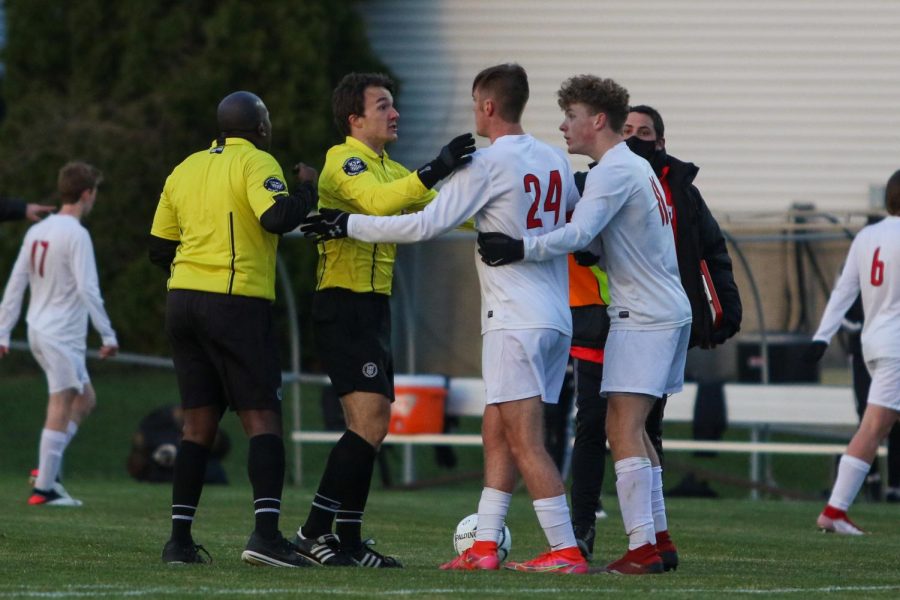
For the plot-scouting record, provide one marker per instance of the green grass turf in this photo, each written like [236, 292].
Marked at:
[110, 547]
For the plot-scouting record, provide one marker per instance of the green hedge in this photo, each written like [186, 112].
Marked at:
[132, 86]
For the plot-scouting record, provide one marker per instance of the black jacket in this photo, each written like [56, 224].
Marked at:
[699, 237]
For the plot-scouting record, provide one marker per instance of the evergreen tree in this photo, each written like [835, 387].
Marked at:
[132, 87]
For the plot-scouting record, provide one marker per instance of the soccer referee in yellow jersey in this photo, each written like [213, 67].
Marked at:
[351, 310]
[215, 231]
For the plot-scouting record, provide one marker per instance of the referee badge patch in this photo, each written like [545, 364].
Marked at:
[354, 166]
[273, 184]
[370, 370]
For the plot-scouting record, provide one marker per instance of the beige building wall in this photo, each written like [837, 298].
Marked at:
[778, 102]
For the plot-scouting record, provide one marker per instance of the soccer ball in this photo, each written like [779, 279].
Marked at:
[464, 537]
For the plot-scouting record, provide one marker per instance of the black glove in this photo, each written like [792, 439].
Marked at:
[723, 333]
[497, 249]
[585, 258]
[814, 352]
[329, 224]
[452, 156]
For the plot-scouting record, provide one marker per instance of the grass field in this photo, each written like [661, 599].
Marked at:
[110, 547]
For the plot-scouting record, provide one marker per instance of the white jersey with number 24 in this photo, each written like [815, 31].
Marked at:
[518, 186]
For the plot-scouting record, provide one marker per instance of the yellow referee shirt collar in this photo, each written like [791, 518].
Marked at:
[359, 145]
[233, 141]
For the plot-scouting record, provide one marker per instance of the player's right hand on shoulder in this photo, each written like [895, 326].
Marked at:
[814, 352]
[498, 249]
[328, 224]
[455, 154]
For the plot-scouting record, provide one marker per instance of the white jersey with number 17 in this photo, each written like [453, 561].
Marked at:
[57, 263]
[518, 186]
[872, 269]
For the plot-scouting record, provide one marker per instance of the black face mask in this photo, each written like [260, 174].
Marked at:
[647, 150]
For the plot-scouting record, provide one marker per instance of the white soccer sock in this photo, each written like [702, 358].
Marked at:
[553, 515]
[657, 502]
[634, 480]
[492, 510]
[71, 430]
[53, 444]
[851, 474]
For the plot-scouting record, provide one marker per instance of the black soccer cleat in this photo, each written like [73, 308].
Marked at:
[179, 553]
[323, 551]
[275, 552]
[366, 556]
[584, 538]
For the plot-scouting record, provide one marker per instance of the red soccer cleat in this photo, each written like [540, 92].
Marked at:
[667, 551]
[470, 561]
[640, 561]
[567, 561]
[833, 520]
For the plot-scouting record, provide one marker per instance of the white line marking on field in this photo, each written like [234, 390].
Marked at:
[96, 591]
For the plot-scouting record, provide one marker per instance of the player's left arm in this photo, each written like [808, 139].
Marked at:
[87, 284]
[604, 194]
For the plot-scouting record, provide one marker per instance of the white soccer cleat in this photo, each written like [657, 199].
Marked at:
[52, 498]
[837, 522]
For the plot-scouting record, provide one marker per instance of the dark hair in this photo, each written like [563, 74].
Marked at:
[600, 95]
[892, 194]
[349, 97]
[76, 177]
[654, 115]
[509, 85]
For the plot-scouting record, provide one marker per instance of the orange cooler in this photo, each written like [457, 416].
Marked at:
[418, 405]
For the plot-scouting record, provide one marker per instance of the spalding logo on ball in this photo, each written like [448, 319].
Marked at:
[464, 537]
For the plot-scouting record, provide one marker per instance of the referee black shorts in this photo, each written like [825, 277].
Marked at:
[353, 340]
[225, 350]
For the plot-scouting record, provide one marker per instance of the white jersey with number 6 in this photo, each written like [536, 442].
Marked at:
[57, 263]
[518, 186]
[873, 269]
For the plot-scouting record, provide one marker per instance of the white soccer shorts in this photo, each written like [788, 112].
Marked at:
[885, 389]
[524, 363]
[645, 361]
[63, 364]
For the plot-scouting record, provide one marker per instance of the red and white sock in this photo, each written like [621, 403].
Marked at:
[851, 475]
[634, 480]
[492, 510]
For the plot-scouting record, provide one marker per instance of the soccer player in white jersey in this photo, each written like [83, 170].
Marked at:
[872, 269]
[623, 218]
[57, 263]
[523, 187]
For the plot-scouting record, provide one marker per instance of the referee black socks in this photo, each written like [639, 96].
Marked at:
[344, 488]
[265, 467]
[187, 484]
